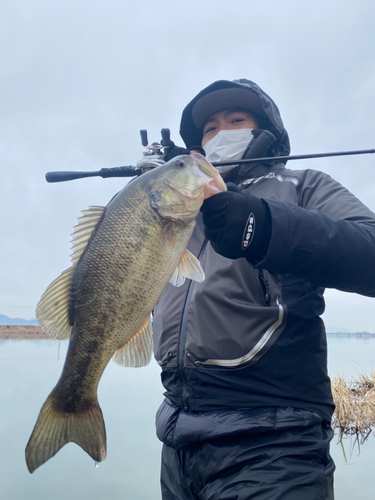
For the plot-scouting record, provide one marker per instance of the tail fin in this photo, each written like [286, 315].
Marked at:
[55, 428]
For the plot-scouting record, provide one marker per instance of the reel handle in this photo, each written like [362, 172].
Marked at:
[144, 139]
[165, 137]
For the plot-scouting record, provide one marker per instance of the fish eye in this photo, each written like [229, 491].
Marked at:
[180, 163]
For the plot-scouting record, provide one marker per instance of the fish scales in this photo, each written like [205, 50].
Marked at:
[134, 247]
[120, 294]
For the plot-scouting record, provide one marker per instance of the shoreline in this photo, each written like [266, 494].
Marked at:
[34, 332]
[23, 332]
[357, 335]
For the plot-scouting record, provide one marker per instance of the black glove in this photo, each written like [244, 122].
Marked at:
[237, 223]
[171, 150]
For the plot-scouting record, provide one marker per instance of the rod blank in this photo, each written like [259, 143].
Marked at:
[130, 171]
[295, 157]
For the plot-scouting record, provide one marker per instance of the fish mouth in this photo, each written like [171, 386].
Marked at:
[203, 168]
[190, 197]
[192, 200]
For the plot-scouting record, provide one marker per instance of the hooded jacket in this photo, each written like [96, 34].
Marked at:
[250, 336]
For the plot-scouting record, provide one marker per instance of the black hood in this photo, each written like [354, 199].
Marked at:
[261, 104]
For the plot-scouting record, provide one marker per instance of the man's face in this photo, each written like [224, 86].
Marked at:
[229, 119]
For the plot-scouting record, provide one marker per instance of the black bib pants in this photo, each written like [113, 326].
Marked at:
[290, 461]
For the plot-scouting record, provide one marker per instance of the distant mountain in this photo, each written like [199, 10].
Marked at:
[4, 320]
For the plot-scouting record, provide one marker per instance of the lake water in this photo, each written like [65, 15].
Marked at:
[129, 399]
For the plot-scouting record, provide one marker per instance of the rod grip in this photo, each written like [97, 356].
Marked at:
[67, 176]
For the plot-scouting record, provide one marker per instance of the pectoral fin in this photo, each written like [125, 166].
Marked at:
[137, 351]
[188, 267]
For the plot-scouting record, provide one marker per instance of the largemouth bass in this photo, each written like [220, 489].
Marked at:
[123, 257]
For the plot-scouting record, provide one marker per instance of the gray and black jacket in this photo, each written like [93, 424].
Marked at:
[251, 336]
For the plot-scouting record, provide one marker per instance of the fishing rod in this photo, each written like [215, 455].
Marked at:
[153, 157]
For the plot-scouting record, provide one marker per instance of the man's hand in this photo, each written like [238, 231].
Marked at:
[171, 150]
[237, 223]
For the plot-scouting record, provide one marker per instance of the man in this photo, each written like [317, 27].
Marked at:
[243, 354]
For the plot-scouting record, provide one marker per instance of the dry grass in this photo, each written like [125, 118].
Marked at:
[354, 416]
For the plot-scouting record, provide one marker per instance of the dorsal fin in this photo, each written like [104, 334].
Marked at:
[84, 229]
[52, 311]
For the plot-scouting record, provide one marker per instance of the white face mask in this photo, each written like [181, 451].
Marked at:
[228, 145]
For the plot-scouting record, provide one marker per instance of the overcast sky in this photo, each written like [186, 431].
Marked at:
[81, 78]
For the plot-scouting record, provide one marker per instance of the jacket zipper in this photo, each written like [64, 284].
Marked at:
[182, 340]
[265, 287]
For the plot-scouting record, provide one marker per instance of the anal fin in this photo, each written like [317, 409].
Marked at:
[137, 351]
